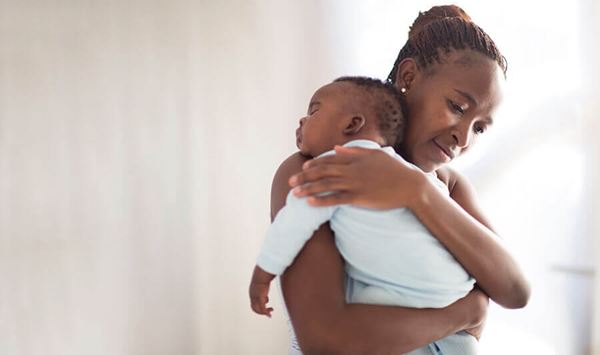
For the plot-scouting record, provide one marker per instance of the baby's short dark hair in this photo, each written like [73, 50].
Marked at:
[386, 102]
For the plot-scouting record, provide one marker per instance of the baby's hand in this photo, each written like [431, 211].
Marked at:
[259, 297]
[259, 291]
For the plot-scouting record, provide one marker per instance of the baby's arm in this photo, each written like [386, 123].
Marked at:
[294, 225]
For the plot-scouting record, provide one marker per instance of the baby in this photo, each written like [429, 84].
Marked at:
[390, 257]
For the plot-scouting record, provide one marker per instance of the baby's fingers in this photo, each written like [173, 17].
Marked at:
[259, 306]
[268, 312]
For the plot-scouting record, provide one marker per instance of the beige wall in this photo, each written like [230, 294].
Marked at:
[133, 171]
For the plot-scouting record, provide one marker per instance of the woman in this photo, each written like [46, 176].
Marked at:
[450, 72]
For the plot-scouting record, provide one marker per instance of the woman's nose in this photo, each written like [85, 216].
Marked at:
[462, 135]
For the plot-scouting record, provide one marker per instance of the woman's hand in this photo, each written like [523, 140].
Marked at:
[476, 331]
[479, 302]
[364, 177]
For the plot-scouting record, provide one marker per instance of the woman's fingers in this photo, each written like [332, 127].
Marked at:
[338, 198]
[329, 160]
[345, 155]
[315, 173]
[352, 150]
[328, 166]
[476, 331]
[323, 185]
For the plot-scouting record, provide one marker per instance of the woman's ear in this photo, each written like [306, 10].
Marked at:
[356, 123]
[407, 72]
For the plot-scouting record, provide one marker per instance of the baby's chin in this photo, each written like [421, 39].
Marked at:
[304, 150]
[313, 150]
[305, 154]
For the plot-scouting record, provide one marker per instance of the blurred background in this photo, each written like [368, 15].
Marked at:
[138, 140]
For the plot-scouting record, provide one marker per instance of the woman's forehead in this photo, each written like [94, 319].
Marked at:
[479, 77]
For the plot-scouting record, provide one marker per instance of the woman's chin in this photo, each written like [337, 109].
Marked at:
[428, 166]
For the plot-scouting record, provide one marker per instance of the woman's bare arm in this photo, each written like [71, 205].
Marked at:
[371, 179]
[313, 289]
[459, 223]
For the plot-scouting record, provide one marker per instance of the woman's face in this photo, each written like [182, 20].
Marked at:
[449, 107]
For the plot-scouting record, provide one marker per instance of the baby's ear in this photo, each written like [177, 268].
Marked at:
[355, 124]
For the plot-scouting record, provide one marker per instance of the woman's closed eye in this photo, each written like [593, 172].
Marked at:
[456, 108]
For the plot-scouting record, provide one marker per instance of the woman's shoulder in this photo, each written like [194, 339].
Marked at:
[451, 177]
[463, 193]
[289, 167]
[280, 186]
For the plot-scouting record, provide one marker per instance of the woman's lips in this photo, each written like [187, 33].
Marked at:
[442, 154]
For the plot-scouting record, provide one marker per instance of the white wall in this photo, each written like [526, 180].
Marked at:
[97, 240]
[138, 140]
[137, 144]
[591, 105]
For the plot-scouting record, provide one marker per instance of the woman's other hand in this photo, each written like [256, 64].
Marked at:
[365, 177]
[476, 303]
[476, 331]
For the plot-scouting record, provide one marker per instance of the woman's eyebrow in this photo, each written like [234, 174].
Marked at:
[467, 96]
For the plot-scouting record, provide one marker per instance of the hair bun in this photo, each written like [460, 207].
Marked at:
[436, 13]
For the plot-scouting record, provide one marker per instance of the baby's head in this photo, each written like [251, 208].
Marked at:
[351, 108]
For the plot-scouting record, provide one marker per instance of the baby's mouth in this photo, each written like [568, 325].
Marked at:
[298, 137]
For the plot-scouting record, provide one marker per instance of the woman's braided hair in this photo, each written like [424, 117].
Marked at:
[440, 30]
